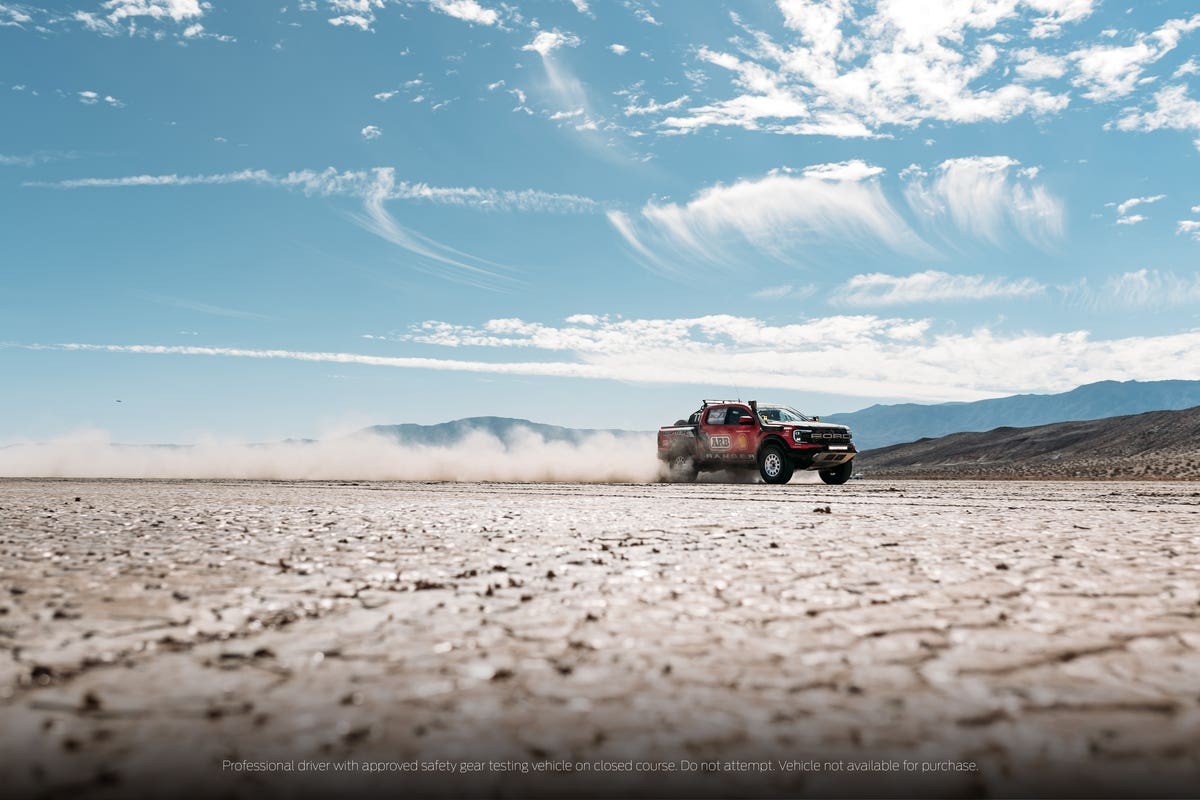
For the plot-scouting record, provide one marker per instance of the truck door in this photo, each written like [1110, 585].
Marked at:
[742, 429]
[714, 436]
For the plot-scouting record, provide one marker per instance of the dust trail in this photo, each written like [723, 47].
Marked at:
[522, 456]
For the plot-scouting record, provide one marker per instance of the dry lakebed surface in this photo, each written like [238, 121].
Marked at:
[283, 639]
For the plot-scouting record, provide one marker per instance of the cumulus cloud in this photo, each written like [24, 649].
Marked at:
[619, 49]
[1123, 209]
[862, 355]
[179, 18]
[1173, 109]
[466, 10]
[930, 286]
[90, 98]
[546, 42]
[1190, 227]
[354, 13]
[852, 73]
[985, 195]
[1108, 72]
[372, 132]
[785, 214]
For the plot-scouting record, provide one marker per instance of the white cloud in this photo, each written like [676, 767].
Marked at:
[1190, 227]
[784, 291]
[14, 16]
[983, 195]
[1133, 202]
[1132, 219]
[1035, 66]
[374, 189]
[35, 158]
[852, 73]
[645, 16]
[855, 355]
[90, 98]
[931, 286]
[467, 10]
[354, 13]
[547, 42]
[1173, 110]
[619, 49]
[355, 183]
[371, 132]
[782, 214]
[581, 6]
[1150, 288]
[383, 97]
[175, 10]
[146, 17]
[1107, 73]
[653, 107]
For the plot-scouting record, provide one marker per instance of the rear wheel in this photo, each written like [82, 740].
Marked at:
[681, 468]
[839, 474]
[773, 465]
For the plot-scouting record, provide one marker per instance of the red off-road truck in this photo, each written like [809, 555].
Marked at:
[775, 439]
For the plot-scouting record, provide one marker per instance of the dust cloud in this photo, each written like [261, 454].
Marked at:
[522, 456]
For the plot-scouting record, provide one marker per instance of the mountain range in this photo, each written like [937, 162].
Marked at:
[1158, 445]
[883, 425]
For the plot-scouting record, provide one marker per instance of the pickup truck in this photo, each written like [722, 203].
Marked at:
[775, 439]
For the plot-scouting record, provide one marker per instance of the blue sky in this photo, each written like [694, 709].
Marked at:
[258, 220]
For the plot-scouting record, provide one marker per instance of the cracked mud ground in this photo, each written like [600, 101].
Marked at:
[150, 631]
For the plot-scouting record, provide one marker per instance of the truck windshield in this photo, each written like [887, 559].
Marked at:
[781, 414]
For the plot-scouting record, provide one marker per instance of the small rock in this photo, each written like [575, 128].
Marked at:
[91, 702]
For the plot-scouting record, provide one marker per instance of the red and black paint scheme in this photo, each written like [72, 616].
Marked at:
[774, 439]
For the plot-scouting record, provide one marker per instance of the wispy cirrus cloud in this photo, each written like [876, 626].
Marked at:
[1143, 288]
[374, 188]
[785, 214]
[930, 286]
[331, 181]
[861, 355]
[984, 196]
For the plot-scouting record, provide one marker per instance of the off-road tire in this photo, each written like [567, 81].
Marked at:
[774, 465]
[839, 474]
[681, 468]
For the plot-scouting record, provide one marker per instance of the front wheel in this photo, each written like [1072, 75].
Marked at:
[839, 474]
[773, 465]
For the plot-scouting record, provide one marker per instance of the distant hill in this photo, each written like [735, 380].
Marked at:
[503, 428]
[1159, 445]
[879, 425]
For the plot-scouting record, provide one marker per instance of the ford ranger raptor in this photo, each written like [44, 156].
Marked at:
[774, 439]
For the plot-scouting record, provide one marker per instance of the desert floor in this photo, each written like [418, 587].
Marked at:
[260, 639]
